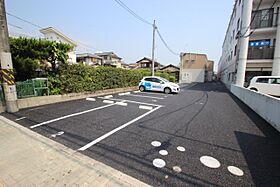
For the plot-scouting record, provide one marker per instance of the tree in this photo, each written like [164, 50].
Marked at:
[27, 52]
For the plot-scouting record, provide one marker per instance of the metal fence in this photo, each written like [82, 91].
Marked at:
[261, 53]
[32, 88]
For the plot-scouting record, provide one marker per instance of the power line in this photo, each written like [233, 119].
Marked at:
[14, 26]
[264, 17]
[124, 6]
[19, 18]
[258, 7]
[35, 25]
[166, 45]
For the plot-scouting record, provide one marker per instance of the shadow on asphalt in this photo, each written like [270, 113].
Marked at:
[261, 151]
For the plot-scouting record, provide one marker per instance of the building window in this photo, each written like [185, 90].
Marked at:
[235, 50]
[275, 81]
[262, 80]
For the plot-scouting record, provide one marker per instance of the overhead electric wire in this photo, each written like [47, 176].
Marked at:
[264, 16]
[14, 26]
[132, 12]
[24, 20]
[165, 43]
[123, 5]
[258, 7]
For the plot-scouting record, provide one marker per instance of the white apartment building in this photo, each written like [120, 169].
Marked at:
[252, 42]
[52, 34]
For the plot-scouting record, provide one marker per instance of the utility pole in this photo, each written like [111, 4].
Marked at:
[6, 63]
[153, 49]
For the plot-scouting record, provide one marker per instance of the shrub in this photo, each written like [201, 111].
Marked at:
[82, 78]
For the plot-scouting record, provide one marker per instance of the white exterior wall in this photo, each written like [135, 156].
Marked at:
[192, 75]
[54, 37]
[227, 63]
[266, 106]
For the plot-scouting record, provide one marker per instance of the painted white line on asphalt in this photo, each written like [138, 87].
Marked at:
[70, 115]
[90, 99]
[108, 101]
[130, 101]
[20, 118]
[116, 130]
[122, 94]
[121, 103]
[108, 96]
[145, 107]
[137, 91]
[152, 93]
[145, 96]
[235, 171]
[210, 162]
[57, 134]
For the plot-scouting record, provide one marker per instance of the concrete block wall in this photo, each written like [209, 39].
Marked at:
[266, 106]
[44, 100]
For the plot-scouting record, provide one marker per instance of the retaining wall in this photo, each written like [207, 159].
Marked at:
[44, 100]
[266, 106]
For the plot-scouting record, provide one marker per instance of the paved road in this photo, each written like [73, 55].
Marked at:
[210, 126]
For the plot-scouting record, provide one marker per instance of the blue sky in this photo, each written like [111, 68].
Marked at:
[102, 25]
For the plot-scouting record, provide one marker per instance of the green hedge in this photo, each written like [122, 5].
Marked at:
[81, 78]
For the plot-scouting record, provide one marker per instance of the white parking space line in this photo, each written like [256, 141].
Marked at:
[122, 94]
[108, 101]
[145, 107]
[121, 103]
[116, 130]
[90, 99]
[130, 101]
[137, 91]
[70, 115]
[145, 96]
[108, 96]
[153, 93]
[20, 118]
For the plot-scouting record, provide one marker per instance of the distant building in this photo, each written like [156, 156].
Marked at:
[210, 71]
[146, 63]
[133, 66]
[260, 42]
[110, 59]
[52, 34]
[195, 68]
[89, 59]
[172, 70]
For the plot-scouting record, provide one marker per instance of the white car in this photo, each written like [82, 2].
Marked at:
[154, 83]
[266, 84]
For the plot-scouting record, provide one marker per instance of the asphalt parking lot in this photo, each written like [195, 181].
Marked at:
[203, 136]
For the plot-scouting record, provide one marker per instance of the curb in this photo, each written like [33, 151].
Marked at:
[44, 100]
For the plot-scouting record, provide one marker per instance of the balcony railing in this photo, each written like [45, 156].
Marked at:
[255, 53]
[263, 19]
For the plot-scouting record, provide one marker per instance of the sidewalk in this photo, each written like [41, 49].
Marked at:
[29, 159]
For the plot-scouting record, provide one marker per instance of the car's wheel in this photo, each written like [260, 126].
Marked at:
[142, 88]
[167, 90]
[254, 89]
